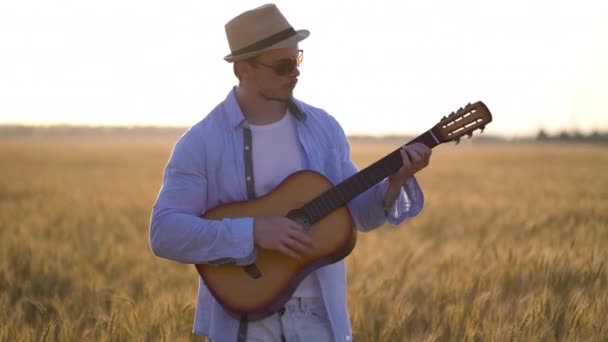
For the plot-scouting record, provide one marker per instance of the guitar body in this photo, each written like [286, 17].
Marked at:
[260, 289]
[334, 237]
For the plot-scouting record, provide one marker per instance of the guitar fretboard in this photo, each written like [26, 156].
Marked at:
[350, 188]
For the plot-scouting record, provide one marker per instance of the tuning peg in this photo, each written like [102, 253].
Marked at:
[457, 140]
[444, 117]
[482, 128]
[470, 134]
[469, 104]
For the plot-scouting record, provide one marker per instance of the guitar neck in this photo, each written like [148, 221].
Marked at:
[358, 183]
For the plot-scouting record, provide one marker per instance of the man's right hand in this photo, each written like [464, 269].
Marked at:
[283, 235]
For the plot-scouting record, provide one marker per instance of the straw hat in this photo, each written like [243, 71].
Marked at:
[258, 30]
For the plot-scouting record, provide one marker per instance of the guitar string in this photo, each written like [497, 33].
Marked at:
[345, 191]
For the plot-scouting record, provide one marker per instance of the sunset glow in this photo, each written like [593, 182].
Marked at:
[378, 66]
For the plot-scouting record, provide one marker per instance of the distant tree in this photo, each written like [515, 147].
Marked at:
[578, 136]
[564, 135]
[542, 135]
[594, 135]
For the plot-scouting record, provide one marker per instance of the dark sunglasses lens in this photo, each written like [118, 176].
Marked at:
[285, 67]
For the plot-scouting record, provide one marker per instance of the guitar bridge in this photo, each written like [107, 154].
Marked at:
[253, 271]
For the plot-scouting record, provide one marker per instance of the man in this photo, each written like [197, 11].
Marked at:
[243, 149]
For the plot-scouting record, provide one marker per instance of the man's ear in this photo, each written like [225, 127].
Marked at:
[242, 69]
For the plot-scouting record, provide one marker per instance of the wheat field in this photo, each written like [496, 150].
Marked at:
[510, 246]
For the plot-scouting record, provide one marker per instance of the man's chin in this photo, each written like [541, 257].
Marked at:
[279, 97]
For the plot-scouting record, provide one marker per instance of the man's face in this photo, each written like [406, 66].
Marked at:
[274, 74]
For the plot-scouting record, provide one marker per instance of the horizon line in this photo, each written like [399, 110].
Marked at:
[500, 134]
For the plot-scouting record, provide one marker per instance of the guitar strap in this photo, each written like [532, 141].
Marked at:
[242, 337]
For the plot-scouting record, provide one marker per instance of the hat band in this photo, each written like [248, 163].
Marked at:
[266, 42]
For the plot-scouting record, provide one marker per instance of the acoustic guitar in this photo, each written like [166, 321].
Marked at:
[260, 289]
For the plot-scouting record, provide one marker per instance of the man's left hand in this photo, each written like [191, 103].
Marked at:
[415, 158]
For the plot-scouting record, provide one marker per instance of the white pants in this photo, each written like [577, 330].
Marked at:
[303, 320]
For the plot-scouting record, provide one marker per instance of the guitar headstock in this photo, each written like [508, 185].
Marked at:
[462, 122]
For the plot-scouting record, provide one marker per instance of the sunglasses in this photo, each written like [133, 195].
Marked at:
[284, 66]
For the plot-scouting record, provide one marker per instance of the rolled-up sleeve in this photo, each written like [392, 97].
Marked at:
[368, 208]
[369, 211]
[408, 204]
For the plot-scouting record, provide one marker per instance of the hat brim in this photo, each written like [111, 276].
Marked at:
[287, 43]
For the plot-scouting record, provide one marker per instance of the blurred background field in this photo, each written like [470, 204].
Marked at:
[511, 246]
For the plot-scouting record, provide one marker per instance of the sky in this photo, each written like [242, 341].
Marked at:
[379, 67]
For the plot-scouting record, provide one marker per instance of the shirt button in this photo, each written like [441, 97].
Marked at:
[247, 147]
[249, 178]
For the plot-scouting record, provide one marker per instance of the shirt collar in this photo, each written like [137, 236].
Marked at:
[235, 115]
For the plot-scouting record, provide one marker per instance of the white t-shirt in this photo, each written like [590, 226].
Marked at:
[276, 154]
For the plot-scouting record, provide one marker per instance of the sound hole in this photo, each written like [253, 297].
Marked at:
[299, 216]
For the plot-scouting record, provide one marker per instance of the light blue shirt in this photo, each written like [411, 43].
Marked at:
[207, 168]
